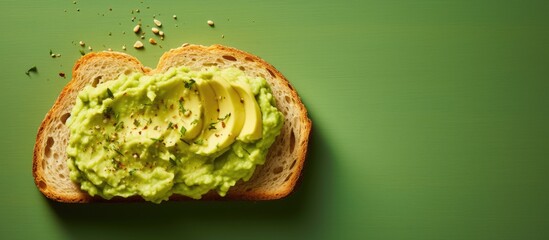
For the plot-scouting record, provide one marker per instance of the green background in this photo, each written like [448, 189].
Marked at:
[430, 118]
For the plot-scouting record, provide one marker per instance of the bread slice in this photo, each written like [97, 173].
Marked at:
[275, 179]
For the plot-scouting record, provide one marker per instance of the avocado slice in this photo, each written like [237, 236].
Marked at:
[190, 107]
[252, 129]
[210, 106]
[223, 116]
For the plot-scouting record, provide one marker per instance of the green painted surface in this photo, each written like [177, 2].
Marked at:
[430, 117]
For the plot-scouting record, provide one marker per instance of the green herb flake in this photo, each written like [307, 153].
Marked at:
[212, 126]
[194, 122]
[199, 141]
[170, 125]
[246, 150]
[32, 69]
[183, 140]
[183, 130]
[109, 93]
[132, 172]
[136, 122]
[108, 112]
[181, 107]
[117, 151]
[189, 84]
[119, 126]
[225, 117]
[173, 162]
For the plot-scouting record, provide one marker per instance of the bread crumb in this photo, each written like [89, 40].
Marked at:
[137, 28]
[211, 23]
[82, 43]
[155, 30]
[152, 41]
[157, 22]
[138, 45]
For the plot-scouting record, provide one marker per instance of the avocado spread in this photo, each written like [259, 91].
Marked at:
[180, 132]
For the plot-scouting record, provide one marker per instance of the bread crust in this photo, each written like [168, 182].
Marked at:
[250, 190]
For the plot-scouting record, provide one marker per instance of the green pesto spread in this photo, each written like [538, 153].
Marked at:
[180, 132]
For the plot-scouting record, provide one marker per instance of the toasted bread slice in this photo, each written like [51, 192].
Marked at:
[275, 179]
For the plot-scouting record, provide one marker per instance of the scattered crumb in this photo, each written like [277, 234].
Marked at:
[110, 49]
[82, 52]
[155, 30]
[161, 33]
[175, 17]
[124, 47]
[62, 74]
[138, 45]
[152, 41]
[54, 55]
[137, 28]
[90, 48]
[222, 36]
[211, 23]
[157, 23]
[82, 43]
